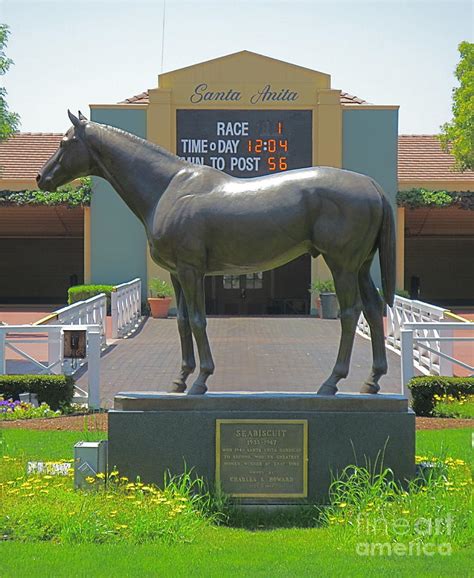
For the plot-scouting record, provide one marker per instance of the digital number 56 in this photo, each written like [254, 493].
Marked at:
[277, 163]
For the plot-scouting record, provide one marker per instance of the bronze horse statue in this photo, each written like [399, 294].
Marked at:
[200, 221]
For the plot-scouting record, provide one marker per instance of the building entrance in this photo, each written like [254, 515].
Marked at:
[282, 291]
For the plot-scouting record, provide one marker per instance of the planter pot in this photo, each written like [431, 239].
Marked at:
[159, 306]
[329, 306]
[317, 306]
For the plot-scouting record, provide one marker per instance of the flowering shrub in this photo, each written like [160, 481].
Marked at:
[370, 505]
[117, 511]
[424, 388]
[11, 410]
[450, 406]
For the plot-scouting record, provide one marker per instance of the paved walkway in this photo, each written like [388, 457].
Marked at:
[251, 354]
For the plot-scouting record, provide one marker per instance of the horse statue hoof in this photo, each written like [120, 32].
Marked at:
[370, 388]
[327, 390]
[197, 389]
[177, 387]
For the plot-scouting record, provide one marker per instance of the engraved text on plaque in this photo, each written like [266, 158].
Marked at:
[262, 458]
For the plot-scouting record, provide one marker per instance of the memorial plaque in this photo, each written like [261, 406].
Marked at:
[259, 458]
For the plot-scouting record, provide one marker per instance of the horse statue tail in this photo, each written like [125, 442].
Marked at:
[386, 245]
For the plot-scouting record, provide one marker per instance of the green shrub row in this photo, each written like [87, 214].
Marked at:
[419, 198]
[424, 388]
[55, 390]
[84, 292]
[70, 195]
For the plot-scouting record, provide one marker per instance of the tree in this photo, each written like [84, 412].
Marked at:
[9, 121]
[457, 136]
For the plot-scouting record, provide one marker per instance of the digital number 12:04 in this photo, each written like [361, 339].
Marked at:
[270, 145]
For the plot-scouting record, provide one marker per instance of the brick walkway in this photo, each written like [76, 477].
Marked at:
[251, 354]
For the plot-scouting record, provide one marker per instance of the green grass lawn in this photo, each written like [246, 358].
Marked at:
[222, 551]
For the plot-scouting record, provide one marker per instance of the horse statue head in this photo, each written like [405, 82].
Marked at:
[72, 159]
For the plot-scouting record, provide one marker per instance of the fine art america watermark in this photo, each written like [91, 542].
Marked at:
[426, 536]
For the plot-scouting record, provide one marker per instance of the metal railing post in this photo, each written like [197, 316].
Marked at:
[3, 364]
[55, 344]
[114, 312]
[406, 346]
[93, 366]
[446, 347]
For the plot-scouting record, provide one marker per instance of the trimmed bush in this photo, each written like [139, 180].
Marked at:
[84, 292]
[55, 390]
[423, 389]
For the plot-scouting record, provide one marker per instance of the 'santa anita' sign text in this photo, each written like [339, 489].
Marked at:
[266, 94]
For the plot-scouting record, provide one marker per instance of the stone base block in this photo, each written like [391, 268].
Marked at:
[261, 448]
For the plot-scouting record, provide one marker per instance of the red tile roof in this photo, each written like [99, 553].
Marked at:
[420, 158]
[22, 155]
[142, 98]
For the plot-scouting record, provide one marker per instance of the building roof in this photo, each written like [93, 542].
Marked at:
[142, 98]
[420, 158]
[22, 155]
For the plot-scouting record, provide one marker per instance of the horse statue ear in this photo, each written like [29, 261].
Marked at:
[82, 117]
[75, 121]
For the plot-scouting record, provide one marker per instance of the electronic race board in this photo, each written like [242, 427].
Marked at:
[246, 143]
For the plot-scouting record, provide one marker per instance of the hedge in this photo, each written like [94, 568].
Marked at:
[424, 388]
[55, 390]
[83, 292]
[68, 195]
[422, 198]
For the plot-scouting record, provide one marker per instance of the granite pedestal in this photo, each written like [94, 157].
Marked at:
[152, 433]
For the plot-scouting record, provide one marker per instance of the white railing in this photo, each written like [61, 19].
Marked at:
[12, 336]
[126, 302]
[432, 338]
[92, 311]
[407, 311]
[432, 355]
[403, 311]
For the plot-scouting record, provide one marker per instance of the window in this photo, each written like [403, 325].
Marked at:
[231, 281]
[254, 280]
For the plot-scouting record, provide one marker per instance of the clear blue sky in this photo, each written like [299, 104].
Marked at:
[71, 53]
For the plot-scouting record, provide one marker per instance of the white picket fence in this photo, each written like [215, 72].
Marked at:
[90, 314]
[434, 340]
[15, 337]
[432, 346]
[92, 311]
[126, 301]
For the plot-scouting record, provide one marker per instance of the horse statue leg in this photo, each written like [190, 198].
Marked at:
[188, 364]
[349, 300]
[192, 283]
[373, 311]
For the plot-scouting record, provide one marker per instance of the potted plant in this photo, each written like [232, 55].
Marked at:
[327, 304]
[161, 293]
